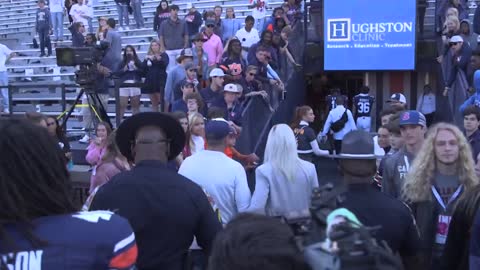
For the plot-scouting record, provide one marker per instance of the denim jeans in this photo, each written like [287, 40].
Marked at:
[4, 92]
[137, 13]
[44, 36]
[57, 22]
[123, 14]
[259, 23]
[90, 25]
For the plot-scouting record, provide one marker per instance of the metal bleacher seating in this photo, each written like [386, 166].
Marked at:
[17, 31]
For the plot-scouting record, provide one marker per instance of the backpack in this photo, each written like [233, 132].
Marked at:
[340, 123]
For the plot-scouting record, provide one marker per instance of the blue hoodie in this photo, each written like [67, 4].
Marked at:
[475, 98]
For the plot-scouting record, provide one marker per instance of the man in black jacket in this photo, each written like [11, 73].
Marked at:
[165, 209]
[372, 207]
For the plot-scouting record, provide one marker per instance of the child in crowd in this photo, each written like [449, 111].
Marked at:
[111, 163]
[43, 27]
[96, 148]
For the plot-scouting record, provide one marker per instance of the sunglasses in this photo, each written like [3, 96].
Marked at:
[453, 43]
[210, 26]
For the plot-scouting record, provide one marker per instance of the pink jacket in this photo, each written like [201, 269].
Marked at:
[104, 172]
[94, 154]
[214, 49]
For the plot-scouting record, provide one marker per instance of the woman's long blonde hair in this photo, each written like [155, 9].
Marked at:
[150, 51]
[281, 151]
[455, 21]
[418, 182]
[192, 118]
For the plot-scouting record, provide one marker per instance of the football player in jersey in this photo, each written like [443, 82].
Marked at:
[332, 99]
[363, 104]
[39, 225]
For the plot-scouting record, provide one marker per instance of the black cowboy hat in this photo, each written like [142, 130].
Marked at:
[128, 129]
[357, 144]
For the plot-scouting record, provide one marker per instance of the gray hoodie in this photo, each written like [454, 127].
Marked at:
[43, 20]
[470, 38]
[394, 171]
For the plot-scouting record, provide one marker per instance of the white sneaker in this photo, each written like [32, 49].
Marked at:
[120, 28]
[127, 28]
[85, 139]
[6, 110]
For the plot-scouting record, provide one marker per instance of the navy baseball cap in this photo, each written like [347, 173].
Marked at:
[412, 118]
[217, 129]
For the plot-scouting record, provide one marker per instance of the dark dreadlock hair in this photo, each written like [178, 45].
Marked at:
[34, 181]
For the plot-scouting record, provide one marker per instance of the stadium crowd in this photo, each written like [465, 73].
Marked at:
[168, 190]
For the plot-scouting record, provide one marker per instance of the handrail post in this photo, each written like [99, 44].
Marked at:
[10, 99]
[64, 98]
[117, 99]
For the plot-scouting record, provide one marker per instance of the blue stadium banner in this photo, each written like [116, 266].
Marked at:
[369, 34]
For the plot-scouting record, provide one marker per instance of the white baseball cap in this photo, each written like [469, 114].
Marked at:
[456, 38]
[216, 72]
[398, 97]
[232, 88]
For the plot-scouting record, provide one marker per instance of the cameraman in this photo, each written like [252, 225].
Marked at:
[113, 54]
[101, 88]
[372, 207]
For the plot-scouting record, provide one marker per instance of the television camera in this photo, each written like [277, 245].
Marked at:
[354, 248]
[87, 60]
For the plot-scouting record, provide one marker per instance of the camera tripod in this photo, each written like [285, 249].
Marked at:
[94, 104]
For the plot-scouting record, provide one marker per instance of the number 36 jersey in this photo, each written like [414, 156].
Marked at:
[363, 105]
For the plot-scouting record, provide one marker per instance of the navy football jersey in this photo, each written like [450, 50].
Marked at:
[80, 241]
[363, 105]
[332, 101]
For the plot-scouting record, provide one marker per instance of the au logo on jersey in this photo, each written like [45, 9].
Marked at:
[339, 29]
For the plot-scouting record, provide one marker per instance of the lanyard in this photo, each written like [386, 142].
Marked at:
[407, 164]
[439, 199]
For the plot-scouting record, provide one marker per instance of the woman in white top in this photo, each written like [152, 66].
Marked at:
[284, 183]
[426, 104]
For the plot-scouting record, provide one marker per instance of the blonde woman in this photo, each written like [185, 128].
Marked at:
[284, 182]
[155, 67]
[441, 173]
[451, 28]
[195, 135]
